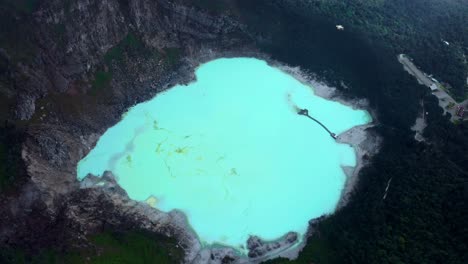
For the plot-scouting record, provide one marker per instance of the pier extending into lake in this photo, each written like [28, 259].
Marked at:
[225, 147]
[305, 112]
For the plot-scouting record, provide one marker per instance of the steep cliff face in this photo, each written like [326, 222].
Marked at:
[88, 61]
[70, 39]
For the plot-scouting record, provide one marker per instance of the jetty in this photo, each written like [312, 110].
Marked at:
[305, 112]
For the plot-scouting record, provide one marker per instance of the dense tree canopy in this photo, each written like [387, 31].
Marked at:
[424, 217]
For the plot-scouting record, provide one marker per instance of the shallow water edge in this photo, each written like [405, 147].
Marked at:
[357, 137]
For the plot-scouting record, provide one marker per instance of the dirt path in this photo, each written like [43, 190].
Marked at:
[446, 102]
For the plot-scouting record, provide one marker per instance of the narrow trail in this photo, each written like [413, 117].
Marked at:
[305, 112]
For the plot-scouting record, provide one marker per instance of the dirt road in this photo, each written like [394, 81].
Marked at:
[446, 102]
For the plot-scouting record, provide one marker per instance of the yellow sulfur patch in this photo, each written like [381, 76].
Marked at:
[152, 201]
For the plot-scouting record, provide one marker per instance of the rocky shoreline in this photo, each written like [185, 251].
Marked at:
[365, 141]
[361, 138]
[175, 223]
[53, 208]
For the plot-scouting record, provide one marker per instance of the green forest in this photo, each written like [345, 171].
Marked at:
[424, 217]
[109, 248]
[417, 27]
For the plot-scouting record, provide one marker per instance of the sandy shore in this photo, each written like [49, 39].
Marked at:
[361, 138]
[366, 144]
[364, 141]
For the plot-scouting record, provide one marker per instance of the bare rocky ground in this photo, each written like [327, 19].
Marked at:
[64, 113]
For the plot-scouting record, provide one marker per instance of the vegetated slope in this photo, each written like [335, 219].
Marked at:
[417, 27]
[424, 217]
[68, 70]
[109, 247]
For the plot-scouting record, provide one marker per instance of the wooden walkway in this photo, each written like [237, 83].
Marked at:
[305, 112]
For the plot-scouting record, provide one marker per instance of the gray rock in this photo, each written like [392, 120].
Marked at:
[259, 249]
[60, 210]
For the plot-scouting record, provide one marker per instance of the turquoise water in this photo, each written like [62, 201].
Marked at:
[231, 152]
